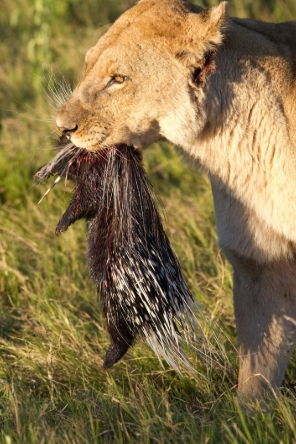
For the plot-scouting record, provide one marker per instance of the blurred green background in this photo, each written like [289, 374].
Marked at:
[52, 334]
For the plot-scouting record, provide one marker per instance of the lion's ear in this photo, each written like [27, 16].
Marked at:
[212, 23]
[202, 35]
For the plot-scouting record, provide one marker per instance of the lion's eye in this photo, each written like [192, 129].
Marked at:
[117, 78]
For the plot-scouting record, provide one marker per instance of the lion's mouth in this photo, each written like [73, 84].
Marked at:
[67, 160]
[67, 155]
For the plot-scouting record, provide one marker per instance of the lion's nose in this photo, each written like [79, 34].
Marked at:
[66, 131]
[65, 122]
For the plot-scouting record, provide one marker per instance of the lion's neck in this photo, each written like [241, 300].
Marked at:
[247, 141]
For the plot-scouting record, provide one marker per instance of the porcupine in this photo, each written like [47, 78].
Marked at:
[130, 257]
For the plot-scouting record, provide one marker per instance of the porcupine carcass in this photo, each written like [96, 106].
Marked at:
[130, 257]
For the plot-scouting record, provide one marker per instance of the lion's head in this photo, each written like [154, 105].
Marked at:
[145, 78]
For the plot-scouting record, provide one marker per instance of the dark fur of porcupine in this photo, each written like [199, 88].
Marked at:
[130, 257]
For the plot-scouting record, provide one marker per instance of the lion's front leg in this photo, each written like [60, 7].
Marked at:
[265, 309]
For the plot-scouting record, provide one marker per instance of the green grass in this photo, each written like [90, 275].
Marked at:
[52, 333]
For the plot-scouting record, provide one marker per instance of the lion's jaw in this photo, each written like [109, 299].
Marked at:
[151, 52]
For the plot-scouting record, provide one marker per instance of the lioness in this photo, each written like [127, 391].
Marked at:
[224, 90]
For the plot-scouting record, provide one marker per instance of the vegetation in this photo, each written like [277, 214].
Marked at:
[52, 333]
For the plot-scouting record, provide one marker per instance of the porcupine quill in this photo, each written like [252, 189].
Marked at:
[130, 257]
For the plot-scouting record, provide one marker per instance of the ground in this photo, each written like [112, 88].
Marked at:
[52, 333]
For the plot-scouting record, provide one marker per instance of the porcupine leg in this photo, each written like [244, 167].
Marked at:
[68, 218]
[121, 338]
[77, 209]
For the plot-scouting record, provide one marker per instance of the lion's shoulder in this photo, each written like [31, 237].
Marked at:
[281, 35]
[270, 48]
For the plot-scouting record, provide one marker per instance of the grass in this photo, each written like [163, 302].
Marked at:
[52, 333]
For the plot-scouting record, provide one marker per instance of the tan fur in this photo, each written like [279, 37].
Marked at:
[239, 122]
